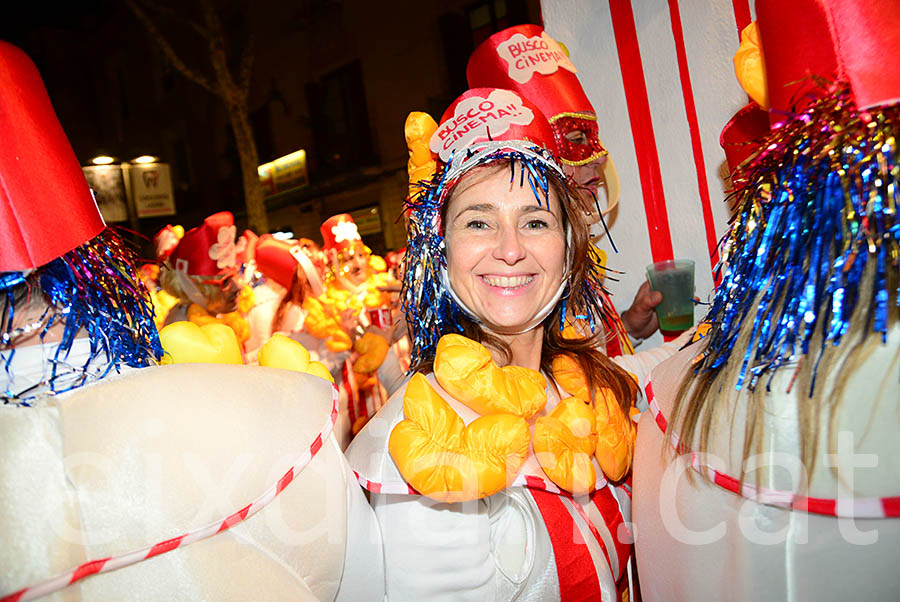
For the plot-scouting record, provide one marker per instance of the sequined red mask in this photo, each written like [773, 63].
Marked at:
[580, 152]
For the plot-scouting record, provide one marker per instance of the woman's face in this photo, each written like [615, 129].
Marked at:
[354, 265]
[505, 251]
[228, 302]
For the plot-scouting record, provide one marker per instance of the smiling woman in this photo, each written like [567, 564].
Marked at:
[506, 256]
[512, 407]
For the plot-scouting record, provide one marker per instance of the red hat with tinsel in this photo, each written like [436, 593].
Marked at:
[490, 119]
[803, 45]
[46, 206]
[209, 249]
[339, 232]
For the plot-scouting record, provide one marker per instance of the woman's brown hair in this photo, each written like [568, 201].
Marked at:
[298, 292]
[598, 369]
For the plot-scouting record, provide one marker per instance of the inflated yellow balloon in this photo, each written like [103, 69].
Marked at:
[422, 164]
[319, 369]
[615, 436]
[186, 342]
[285, 353]
[450, 462]
[750, 68]
[372, 349]
[465, 369]
[377, 263]
[615, 429]
[564, 444]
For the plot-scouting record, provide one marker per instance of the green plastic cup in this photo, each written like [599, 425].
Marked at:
[675, 280]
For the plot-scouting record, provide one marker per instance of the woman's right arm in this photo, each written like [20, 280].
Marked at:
[435, 551]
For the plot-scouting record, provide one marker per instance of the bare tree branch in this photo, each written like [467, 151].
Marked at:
[175, 16]
[167, 49]
[246, 68]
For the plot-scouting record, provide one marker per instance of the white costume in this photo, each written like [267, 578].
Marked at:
[517, 544]
[152, 454]
[699, 541]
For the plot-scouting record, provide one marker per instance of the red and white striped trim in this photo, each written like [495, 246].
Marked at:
[522, 480]
[885, 507]
[375, 487]
[105, 565]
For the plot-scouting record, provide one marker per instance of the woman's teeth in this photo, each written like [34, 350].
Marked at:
[508, 281]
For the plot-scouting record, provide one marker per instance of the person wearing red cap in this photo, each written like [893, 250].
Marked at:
[472, 465]
[525, 59]
[110, 481]
[769, 466]
[355, 290]
[202, 271]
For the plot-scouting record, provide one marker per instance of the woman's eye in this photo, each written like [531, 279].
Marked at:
[536, 224]
[476, 224]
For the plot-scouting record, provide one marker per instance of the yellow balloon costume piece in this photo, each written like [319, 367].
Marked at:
[283, 352]
[450, 462]
[215, 343]
[422, 163]
[234, 320]
[162, 302]
[437, 454]
[750, 68]
[325, 326]
[286, 353]
[377, 263]
[372, 349]
[188, 343]
[564, 443]
[465, 369]
[614, 448]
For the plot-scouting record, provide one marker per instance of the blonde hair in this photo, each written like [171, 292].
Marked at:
[170, 282]
[702, 397]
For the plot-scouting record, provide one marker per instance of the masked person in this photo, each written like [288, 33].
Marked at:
[769, 467]
[527, 60]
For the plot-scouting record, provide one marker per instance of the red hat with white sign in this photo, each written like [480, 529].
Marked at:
[278, 259]
[209, 249]
[339, 232]
[46, 206]
[488, 120]
[527, 60]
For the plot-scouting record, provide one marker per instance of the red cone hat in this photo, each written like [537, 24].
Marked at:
[46, 206]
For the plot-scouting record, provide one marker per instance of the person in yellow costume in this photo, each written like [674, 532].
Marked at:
[494, 473]
[289, 305]
[354, 289]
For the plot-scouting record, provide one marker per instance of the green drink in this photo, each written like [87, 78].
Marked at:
[675, 280]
